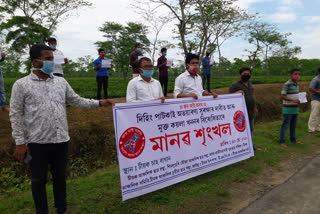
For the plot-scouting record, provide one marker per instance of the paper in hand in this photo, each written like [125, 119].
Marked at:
[303, 97]
[106, 63]
[58, 59]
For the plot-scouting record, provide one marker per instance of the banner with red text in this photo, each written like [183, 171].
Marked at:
[160, 144]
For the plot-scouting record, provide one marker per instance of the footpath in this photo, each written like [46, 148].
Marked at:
[298, 195]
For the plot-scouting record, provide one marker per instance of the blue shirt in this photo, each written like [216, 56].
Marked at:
[101, 72]
[315, 83]
[206, 69]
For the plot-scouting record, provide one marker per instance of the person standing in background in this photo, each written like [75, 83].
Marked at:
[102, 74]
[314, 119]
[58, 70]
[134, 59]
[3, 103]
[163, 70]
[206, 64]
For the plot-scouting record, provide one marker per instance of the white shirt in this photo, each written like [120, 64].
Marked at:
[57, 67]
[38, 109]
[186, 84]
[139, 90]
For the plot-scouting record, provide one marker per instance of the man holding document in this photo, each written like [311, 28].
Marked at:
[101, 66]
[59, 58]
[290, 97]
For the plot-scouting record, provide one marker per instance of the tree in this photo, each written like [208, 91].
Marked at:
[120, 41]
[27, 22]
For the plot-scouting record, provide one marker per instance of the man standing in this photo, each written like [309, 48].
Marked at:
[144, 87]
[102, 74]
[206, 63]
[189, 83]
[3, 103]
[290, 110]
[40, 128]
[314, 119]
[58, 70]
[134, 59]
[244, 86]
[163, 70]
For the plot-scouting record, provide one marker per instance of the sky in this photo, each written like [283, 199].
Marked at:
[77, 35]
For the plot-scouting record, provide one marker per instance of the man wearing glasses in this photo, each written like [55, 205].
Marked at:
[144, 87]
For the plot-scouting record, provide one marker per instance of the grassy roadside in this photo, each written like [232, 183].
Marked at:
[100, 192]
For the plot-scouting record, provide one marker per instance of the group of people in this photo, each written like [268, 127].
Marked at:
[38, 108]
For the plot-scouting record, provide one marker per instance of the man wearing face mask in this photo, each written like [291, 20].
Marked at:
[134, 59]
[40, 128]
[245, 87]
[290, 109]
[144, 87]
[163, 70]
[189, 83]
[58, 70]
[206, 63]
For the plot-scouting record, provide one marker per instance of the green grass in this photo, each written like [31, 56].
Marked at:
[86, 87]
[100, 192]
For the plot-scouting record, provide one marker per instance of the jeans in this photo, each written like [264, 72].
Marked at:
[58, 75]
[2, 92]
[54, 155]
[206, 77]
[102, 81]
[251, 123]
[289, 120]
[164, 84]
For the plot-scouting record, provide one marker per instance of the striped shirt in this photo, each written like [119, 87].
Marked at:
[291, 90]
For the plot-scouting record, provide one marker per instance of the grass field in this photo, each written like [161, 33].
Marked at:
[100, 192]
[86, 87]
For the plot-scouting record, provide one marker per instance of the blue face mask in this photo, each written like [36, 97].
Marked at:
[147, 73]
[48, 67]
[139, 49]
[164, 54]
[53, 47]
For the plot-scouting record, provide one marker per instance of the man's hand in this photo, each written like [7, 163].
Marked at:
[107, 102]
[215, 95]
[20, 152]
[256, 111]
[240, 92]
[296, 101]
[195, 96]
[161, 98]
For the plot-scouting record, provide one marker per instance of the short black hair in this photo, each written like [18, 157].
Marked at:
[100, 50]
[244, 69]
[136, 45]
[190, 57]
[143, 59]
[293, 70]
[52, 39]
[163, 49]
[35, 51]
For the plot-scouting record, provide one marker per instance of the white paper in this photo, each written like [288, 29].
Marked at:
[59, 59]
[169, 63]
[211, 62]
[303, 97]
[106, 63]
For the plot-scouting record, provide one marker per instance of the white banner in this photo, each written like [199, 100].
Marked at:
[160, 144]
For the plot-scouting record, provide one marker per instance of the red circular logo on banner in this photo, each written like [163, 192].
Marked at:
[132, 143]
[239, 121]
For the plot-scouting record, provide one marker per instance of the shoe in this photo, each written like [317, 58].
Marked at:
[6, 109]
[298, 142]
[283, 145]
[257, 149]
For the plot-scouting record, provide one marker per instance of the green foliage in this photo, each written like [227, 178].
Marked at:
[10, 181]
[120, 42]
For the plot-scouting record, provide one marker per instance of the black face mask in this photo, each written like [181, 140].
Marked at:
[245, 78]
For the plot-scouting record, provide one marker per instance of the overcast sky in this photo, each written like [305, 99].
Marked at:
[77, 35]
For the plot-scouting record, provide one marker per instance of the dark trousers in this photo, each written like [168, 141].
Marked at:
[164, 84]
[289, 120]
[102, 81]
[206, 77]
[43, 156]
